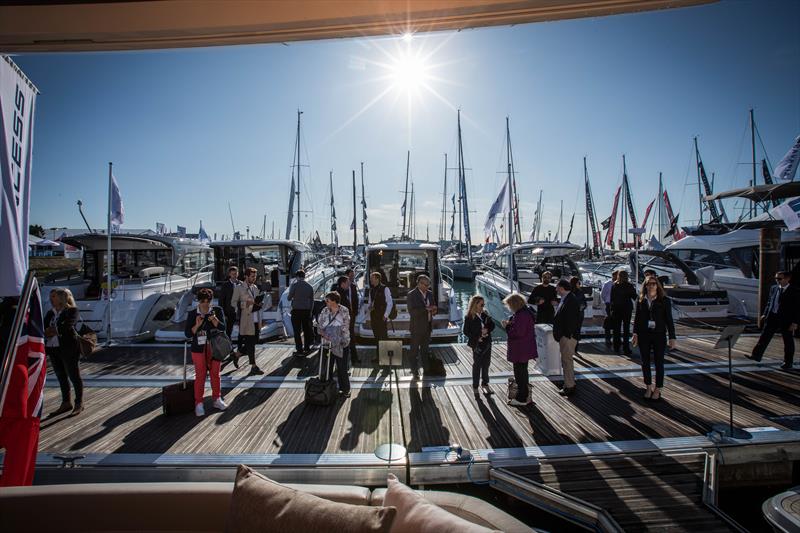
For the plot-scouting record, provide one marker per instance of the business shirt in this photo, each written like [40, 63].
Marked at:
[605, 292]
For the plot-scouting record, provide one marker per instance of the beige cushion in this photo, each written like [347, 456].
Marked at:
[417, 515]
[259, 504]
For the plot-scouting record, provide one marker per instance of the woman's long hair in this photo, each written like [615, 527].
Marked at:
[65, 297]
[622, 277]
[659, 289]
[472, 309]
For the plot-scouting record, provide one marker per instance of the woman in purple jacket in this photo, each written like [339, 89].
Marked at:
[521, 343]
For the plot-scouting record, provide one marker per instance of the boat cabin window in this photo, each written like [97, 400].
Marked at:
[126, 265]
[269, 262]
[400, 268]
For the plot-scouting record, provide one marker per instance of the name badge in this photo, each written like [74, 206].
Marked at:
[201, 339]
[651, 324]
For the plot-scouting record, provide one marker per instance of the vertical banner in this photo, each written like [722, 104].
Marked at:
[17, 98]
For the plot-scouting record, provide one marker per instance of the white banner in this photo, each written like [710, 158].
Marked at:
[17, 98]
[787, 167]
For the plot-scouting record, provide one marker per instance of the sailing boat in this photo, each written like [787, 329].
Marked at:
[460, 262]
[627, 215]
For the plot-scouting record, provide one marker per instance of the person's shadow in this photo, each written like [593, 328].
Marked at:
[425, 420]
[308, 428]
[367, 410]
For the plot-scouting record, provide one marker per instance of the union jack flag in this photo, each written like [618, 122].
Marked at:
[22, 398]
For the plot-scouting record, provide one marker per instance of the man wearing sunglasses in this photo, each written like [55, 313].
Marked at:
[781, 315]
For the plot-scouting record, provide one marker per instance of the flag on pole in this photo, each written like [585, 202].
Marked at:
[17, 99]
[789, 212]
[181, 231]
[787, 167]
[496, 208]
[647, 212]
[202, 235]
[606, 223]
[22, 397]
[160, 228]
[117, 209]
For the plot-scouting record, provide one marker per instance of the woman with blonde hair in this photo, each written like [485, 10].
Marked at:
[62, 348]
[520, 328]
[651, 327]
[478, 326]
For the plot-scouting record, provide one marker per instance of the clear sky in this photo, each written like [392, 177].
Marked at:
[191, 130]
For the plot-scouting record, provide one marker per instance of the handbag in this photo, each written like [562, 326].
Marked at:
[221, 345]
[87, 340]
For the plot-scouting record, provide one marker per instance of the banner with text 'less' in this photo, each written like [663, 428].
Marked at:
[17, 98]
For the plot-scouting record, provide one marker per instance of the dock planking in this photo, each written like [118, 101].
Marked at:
[428, 413]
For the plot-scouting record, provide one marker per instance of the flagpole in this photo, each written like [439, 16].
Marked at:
[109, 258]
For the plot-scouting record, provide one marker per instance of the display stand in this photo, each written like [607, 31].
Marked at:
[390, 355]
[728, 338]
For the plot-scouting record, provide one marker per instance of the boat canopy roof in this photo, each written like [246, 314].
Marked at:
[294, 245]
[739, 238]
[121, 241]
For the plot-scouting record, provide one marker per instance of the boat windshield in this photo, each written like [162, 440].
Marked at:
[400, 268]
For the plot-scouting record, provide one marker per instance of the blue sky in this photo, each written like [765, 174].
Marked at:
[191, 130]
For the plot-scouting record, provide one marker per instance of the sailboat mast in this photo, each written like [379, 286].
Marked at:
[443, 223]
[405, 194]
[355, 215]
[460, 190]
[660, 210]
[330, 179]
[510, 213]
[298, 174]
[586, 203]
[624, 227]
[699, 185]
[363, 209]
[753, 145]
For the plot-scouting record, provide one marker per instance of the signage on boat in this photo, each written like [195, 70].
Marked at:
[17, 97]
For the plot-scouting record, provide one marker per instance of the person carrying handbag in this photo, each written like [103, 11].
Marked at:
[333, 324]
[478, 327]
[199, 325]
[63, 349]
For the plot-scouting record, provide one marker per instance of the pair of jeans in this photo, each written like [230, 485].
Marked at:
[771, 327]
[655, 344]
[301, 324]
[65, 366]
[621, 324]
[205, 364]
[481, 358]
[341, 369]
[521, 377]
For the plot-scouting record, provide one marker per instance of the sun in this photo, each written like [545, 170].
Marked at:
[409, 70]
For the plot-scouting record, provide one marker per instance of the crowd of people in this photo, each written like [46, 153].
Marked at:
[562, 306]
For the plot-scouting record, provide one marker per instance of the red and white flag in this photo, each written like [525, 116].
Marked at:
[22, 398]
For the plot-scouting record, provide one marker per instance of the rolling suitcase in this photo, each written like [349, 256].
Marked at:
[178, 398]
[319, 390]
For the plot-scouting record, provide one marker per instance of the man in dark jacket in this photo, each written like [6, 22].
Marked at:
[543, 296]
[421, 309]
[565, 332]
[301, 296]
[343, 289]
[781, 315]
[225, 295]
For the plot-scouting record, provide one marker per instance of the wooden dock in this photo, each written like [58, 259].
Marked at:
[612, 439]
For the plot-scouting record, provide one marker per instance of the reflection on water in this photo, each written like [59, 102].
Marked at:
[466, 290]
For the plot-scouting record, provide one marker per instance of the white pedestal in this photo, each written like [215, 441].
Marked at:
[549, 362]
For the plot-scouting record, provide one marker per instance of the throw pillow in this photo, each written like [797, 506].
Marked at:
[417, 515]
[259, 504]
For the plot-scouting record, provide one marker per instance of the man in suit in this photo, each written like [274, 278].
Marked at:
[225, 297]
[421, 308]
[781, 315]
[343, 289]
[565, 331]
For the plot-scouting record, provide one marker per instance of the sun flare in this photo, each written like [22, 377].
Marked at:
[409, 71]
